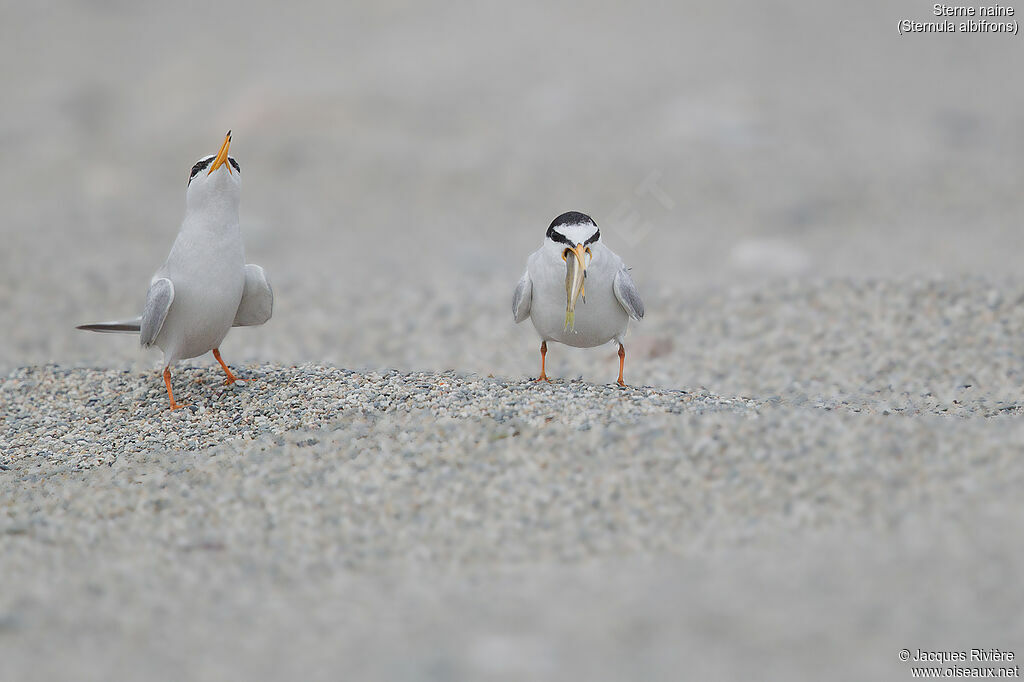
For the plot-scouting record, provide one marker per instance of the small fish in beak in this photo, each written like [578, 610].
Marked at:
[575, 272]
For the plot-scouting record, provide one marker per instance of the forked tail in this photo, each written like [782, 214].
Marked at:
[117, 327]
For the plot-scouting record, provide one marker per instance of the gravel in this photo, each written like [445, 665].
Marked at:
[83, 418]
[411, 544]
[847, 487]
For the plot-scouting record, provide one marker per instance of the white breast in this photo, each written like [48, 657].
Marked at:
[207, 269]
[599, 319]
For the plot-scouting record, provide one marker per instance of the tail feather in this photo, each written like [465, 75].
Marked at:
[117, 327]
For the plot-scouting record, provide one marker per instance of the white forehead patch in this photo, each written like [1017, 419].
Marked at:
[577, 234]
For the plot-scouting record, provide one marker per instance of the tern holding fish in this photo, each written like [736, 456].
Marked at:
[205, 287]
[575, 267]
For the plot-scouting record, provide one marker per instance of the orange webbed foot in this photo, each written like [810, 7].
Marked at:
[543, 356]
[622, 362]
[170, 393]
[231, 377]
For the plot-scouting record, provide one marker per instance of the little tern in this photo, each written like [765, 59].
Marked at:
[205, 287]
[573, 267]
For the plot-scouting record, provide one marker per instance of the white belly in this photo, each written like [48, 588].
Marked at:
[196, 323]
[209, 277]
[599, 319]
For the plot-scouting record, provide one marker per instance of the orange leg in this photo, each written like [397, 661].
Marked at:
[231, 377]
[622, 361]
[170, 393]
[543, 353]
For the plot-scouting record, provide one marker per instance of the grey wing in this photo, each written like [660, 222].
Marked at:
[257, 304]
[523, 297]
[627, 294]
[158, 303]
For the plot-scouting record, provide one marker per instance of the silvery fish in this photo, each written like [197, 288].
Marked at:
[575, 273]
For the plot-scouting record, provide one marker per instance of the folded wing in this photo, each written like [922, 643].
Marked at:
[158, 303]
[523, 298]
[627, 294]
[257, 304]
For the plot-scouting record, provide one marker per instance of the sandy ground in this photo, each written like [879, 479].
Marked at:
[820, 464]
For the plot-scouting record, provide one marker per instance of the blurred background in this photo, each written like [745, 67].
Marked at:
[819, 212]
[401, 160]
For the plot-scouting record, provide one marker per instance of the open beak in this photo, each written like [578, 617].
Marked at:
[222, 156]
[576, 260]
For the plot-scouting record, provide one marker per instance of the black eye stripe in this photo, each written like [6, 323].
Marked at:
[560, 238]
[205, 163]
[200, 165]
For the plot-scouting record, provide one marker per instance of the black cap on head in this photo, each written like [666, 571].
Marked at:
[571, 218]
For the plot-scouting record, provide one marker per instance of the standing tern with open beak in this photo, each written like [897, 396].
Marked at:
[576, 290]
[205, 287]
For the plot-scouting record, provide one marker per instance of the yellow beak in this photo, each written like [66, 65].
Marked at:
[222, 155]
[580, 251]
